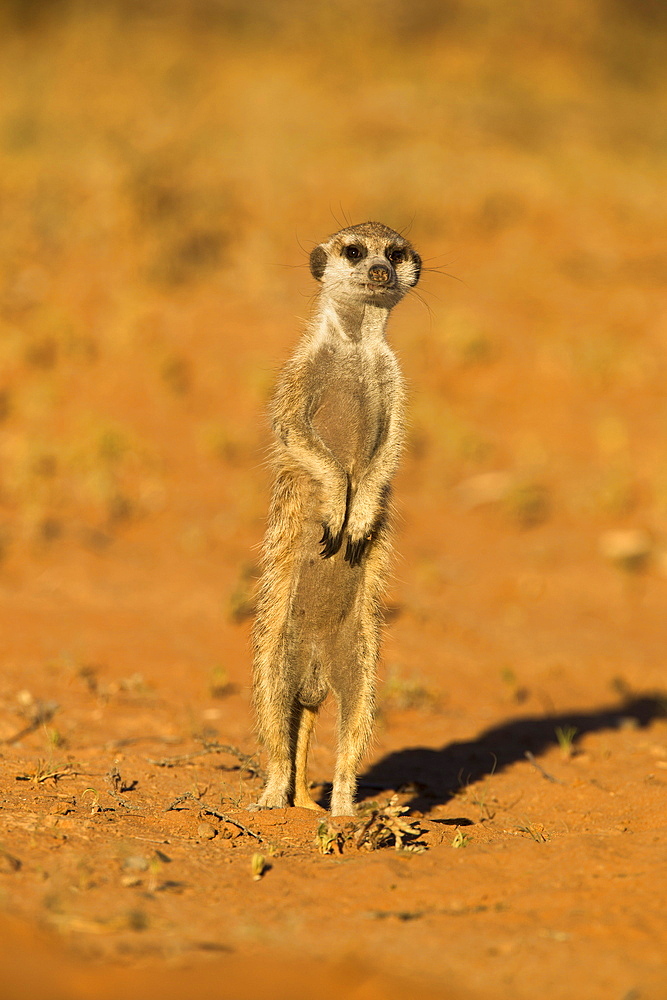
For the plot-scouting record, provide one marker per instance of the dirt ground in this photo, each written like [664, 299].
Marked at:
[522, 701]
[126, 836]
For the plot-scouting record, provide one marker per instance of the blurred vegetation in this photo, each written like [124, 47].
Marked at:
[159, 159]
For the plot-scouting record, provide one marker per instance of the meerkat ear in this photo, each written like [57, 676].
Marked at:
[417, 264]
[318, 262]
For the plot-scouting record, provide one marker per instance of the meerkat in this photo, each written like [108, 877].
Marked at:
[338, 417]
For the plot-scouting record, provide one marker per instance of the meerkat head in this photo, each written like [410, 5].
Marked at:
[368, 263]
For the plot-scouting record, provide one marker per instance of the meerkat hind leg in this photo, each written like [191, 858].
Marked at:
[302, 796]
[276, 790]
[279, 743]
[356, 719]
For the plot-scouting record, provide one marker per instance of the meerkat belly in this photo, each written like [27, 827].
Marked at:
[347, 421]
[323, 608]
[325, 591]
[325, 595]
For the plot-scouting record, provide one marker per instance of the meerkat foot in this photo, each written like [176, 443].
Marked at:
[270, 799]
[330, 543]
[303, 800]
[342, 805]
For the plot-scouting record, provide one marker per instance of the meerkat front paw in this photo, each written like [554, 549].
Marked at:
[354, 550]
[330, 543]
[360, 528]
[333, 518]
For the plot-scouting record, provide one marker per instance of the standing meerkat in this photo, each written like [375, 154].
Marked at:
[338, 419]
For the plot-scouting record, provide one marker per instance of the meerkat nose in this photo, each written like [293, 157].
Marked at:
[380, 273]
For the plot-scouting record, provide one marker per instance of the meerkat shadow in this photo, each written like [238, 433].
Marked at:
[435, 776]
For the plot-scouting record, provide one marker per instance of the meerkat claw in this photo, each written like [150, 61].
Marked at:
[354, 551]
[330, 543]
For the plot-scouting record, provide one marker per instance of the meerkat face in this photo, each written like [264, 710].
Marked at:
[368, 263]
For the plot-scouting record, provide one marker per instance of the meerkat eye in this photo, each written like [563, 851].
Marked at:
[353, 252]
[396, 255]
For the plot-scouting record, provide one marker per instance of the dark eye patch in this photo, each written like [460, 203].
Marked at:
[396, 255]
[353, 252]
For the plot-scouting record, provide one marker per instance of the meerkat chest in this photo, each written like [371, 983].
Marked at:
[349, 405]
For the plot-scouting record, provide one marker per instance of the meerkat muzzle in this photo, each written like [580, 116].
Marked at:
[380, 273]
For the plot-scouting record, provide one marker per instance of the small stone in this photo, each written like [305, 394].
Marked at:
[206, 831]
[229, 832]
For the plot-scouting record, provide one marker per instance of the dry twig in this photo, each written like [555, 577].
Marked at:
[41, 712]
[545, 774]
[247, 761]
[43, 773]
[234, 822]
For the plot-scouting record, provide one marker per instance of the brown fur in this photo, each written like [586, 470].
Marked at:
[338, 417]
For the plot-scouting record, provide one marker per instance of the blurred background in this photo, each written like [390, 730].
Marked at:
[166, 166]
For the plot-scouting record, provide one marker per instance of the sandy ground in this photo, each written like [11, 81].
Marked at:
[127, 846]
